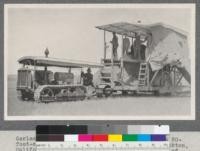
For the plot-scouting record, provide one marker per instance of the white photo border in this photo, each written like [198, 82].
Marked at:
[103, 118]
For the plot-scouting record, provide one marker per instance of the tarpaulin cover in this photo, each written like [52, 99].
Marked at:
[167, 47]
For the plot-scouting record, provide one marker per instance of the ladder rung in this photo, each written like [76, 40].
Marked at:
[105, 77]
[142, 74]
[111, 63]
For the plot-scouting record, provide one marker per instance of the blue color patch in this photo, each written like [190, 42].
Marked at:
[144, 137]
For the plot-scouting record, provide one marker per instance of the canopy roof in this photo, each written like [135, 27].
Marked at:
[128, 29]
[43, 61]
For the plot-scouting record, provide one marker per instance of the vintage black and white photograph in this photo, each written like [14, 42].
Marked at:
[99, 61]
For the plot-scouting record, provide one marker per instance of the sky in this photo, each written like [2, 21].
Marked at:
[69, 31]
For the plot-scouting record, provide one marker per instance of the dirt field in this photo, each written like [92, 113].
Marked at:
[131, 106]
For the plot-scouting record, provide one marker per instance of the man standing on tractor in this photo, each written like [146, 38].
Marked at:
[139, 47]
[126, 45]
[115, 45]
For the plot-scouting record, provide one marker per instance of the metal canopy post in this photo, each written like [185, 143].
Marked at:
[34, 76]
[104, 39]
[148, 79]
[122, 63]
[174, 81]
[112, 65]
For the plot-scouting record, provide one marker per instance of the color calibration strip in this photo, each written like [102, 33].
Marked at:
[83, 133]
[102, 137]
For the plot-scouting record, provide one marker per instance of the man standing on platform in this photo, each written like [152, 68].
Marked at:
[137, 45]
[115, 45]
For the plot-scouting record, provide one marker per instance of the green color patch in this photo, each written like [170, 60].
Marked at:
[129, 137]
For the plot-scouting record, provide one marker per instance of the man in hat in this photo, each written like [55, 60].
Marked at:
[88, 78]
[115, 45]
[126, 45]
[138, 43]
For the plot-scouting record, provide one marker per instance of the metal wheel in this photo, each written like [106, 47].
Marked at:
[166, 81]
[47, 94]
[99, 95]
[166, 85]
[156, 93]
[72, 94]
[124, 92]
[26, 96]
[107, 91]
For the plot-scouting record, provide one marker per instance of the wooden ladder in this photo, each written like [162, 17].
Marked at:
[142, 78]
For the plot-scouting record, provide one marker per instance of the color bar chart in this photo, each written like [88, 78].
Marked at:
[133, 137]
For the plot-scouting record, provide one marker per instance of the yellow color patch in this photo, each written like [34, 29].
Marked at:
[114, 138]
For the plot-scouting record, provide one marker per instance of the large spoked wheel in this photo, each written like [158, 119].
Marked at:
[166, 83]
[47, 95]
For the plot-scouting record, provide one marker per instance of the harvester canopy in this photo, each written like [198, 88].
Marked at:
[166, 44]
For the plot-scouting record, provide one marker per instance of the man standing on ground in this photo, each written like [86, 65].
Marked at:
[88, 78]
